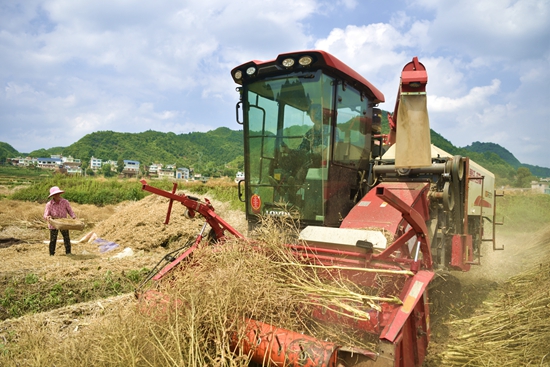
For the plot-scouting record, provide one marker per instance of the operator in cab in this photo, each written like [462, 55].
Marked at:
[318, 136]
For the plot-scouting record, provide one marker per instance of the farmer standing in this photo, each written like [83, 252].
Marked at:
[58, 207]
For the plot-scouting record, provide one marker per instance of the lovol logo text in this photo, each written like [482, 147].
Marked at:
[277, 213]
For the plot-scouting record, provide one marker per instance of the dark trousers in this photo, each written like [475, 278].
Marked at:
[66, 240]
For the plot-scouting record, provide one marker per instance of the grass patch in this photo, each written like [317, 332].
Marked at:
[102, 192]
[29, 173]
[29, 294]
[523, 212]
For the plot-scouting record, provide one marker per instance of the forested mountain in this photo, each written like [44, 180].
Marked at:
[508, 157]
[503, 153]
[7, 151]
[213, 150]
[220, 151]
[45, 153]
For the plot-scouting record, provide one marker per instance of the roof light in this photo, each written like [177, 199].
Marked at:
[305, 60]
[251, 70]
[414, 84]
[238, 74]
[287, 63]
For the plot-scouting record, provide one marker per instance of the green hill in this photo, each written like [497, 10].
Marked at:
[220, 151]
[7, 151]
[209, 152]
[508, 157]
[503, 153]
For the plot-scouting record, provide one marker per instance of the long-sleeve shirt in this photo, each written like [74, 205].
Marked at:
[58, 210]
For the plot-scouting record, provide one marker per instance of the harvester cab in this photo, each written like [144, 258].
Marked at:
[308, 122]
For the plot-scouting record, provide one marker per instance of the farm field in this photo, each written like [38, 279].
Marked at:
[81, 310]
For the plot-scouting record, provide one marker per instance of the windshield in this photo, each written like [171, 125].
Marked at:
[307, 140]
[289, 126]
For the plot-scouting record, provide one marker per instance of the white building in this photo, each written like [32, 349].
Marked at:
[182, 174]
[95, 163]
[154, 168]
[166, 173]
[542, 186]
[49, 163]
[131, 168]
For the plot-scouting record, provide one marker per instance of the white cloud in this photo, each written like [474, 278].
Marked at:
[491, 28]
[476, 73]
[350, 4]
[69, 68]
[477, 96]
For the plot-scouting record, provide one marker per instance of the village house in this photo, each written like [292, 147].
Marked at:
[182, 174]
[131, 168]
[22, 162]
[542, 186]
[166, 173]
[95, 163]
[49, 163]
[154, 168]
[72, 165]
[113, 164]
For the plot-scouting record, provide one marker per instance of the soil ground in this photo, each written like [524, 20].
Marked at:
[139, 226]
[28, 271]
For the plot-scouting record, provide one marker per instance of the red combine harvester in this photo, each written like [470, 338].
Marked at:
[367, 202]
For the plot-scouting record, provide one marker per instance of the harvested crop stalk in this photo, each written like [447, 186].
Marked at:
[366, 270]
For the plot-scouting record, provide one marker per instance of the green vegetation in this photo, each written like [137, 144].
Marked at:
[40, 295]
[29, 173]
[101, 191]
[83, 190]
[215, 153]
[6, 151]
[219, 153]
[523, 212]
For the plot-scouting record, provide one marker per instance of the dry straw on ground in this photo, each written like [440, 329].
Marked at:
[140, 225]
[213, 293]
[514, 328]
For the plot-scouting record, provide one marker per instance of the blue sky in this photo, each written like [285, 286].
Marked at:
[69, 68]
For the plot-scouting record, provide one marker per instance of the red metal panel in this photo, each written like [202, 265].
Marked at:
[374, 212]
[462, 252]
[412, 294]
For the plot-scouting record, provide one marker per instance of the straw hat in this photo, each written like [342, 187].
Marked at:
[55, 190]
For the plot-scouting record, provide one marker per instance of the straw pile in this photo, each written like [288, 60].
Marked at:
[140, 225]
[513, 329]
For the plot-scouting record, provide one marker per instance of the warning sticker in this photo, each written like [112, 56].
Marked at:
[412, 296]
